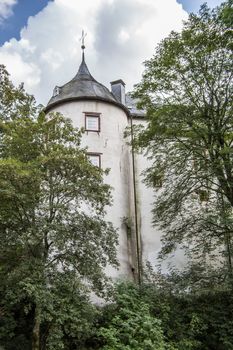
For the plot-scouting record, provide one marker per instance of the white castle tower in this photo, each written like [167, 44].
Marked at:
[105, 115]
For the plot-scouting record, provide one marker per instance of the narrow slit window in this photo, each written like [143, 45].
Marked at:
[92, 122]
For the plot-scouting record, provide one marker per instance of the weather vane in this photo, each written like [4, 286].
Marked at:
[82, 38]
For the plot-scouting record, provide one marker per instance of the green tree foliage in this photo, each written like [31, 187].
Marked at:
[14, 100]
[187, 92]
[54, 241]
[130, 325]
[192, 321]
[153, 317]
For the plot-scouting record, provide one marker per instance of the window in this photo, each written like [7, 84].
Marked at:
[92, 122]
[158, 180]
[94, 158]
[56, 91]
[203, 195]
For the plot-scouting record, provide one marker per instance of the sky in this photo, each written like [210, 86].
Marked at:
[40, 39]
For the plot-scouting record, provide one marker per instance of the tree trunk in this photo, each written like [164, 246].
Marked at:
[229, 258]
[228, 244]
[36, 330]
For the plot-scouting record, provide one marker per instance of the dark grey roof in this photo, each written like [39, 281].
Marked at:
[82, 86]
[131, 104]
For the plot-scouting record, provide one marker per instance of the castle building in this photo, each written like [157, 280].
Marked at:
[105, 116]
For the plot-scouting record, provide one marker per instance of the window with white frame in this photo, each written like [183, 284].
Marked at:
[92, 122]
[94, 158]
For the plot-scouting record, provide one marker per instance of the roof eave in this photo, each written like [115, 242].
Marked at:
[91, 98]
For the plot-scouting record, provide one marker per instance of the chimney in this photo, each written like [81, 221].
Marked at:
[118, 90]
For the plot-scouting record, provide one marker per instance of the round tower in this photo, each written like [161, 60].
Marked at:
[90, 105]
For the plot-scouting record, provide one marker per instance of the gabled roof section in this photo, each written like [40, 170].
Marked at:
[131, 104]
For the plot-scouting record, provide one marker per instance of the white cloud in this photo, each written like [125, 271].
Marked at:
[6, 9]
[19, 69]
[121, 34]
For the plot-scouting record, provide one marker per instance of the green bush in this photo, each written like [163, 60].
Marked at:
[132, 326]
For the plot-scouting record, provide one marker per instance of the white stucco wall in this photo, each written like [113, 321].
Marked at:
[110, 143]
[150, 235]
[116, 155]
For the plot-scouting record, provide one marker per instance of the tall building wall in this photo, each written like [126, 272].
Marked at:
[82, 98]
[150, 236]
[115, 155]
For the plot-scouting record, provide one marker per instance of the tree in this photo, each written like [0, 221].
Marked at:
[158, 315]
[54, 241]
[130, 325]
[14, 100]
[187, 92]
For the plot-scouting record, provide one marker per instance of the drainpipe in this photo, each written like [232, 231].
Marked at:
[135, 206]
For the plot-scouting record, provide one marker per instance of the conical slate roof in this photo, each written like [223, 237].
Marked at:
[82, 86]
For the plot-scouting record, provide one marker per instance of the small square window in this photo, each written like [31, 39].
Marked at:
[92, 122]
[56, 91]
[94, 158]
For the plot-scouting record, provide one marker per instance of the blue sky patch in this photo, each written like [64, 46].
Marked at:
[194, 5]
[21, 11]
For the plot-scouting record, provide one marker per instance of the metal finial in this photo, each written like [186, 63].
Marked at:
[82, 38]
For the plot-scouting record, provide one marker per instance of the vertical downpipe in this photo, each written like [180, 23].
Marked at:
[135, 206]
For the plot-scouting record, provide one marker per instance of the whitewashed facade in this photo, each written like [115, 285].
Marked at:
[105, 115]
